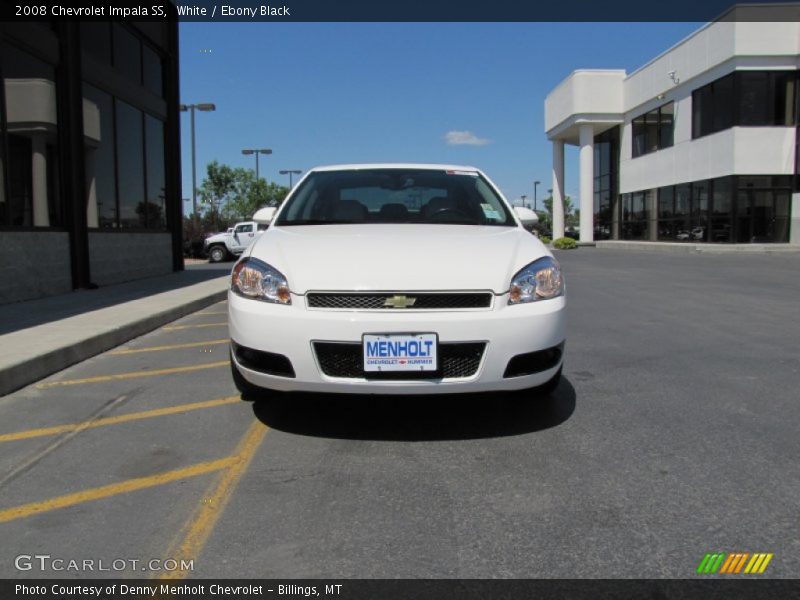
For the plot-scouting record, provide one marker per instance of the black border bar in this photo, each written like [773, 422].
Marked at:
[701, 587]
[276, 11]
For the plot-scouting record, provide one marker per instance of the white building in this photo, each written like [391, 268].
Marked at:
[700, 144]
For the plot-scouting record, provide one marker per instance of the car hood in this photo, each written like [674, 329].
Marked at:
[397, 257]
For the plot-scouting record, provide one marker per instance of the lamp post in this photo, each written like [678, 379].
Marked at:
[256, 151]
[290, 172]
[205, 107]
[535, 203]
[523, 197]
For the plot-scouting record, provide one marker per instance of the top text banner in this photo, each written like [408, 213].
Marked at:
[405, 11]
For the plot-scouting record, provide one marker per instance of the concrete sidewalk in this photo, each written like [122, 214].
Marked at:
[696, 248]
[41, 337]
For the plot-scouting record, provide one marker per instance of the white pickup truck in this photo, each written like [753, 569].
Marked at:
[233, 242]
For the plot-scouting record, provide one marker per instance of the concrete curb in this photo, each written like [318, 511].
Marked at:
[32, 369]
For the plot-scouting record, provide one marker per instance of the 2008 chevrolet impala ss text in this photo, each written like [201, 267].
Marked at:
[396, 279]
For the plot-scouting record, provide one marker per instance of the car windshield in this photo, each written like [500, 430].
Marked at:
[395, 196]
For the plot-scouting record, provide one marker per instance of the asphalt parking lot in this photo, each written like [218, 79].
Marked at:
[674, 433]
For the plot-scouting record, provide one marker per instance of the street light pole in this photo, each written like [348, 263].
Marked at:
[290, 172]
[205, 107]
[535, 203]
[256, 151]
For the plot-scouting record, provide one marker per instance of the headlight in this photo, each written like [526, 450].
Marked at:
[255, 279]
[540, 280]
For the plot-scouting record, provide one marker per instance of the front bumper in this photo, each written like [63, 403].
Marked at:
[291, 330]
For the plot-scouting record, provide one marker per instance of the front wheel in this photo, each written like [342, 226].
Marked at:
[217, 254]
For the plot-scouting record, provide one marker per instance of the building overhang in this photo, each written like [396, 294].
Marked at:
[568, 131]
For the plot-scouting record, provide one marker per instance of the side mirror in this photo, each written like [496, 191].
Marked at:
[527, 216]
[230, 230]
[264, 215]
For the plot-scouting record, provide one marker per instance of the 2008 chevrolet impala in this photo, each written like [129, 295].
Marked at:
[396, 279]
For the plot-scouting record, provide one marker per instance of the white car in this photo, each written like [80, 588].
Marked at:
[396, 279]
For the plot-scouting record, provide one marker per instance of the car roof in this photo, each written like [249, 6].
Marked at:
[422, 166]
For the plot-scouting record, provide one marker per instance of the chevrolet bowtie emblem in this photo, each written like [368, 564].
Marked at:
[399, 302]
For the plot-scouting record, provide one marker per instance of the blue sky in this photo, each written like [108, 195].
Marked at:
[383, 92]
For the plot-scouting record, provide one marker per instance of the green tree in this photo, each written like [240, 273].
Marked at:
[546, 216]
[251, 194]
[216, 190]
[231, 194]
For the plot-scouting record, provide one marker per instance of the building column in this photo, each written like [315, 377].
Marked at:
[558, 189]
[71, 150]
[794, 220]
[41, 211]
[651, 203]
[586, 139]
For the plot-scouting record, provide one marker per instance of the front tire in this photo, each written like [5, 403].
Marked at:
[246, 389]
[217, 254]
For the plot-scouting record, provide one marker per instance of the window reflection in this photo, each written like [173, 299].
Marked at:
[156, 202]
[152, 71]
[127, 53]
[130, 166]
[744, 98]
[98, 135]
[727, 209]
[32, 128]
[96, 40]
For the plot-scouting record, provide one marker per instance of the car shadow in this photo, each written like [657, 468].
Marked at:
[416, 418]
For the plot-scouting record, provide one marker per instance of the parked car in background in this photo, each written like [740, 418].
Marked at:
[396, 279]
[236, 239]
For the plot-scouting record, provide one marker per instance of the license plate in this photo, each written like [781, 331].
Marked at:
[400, 352]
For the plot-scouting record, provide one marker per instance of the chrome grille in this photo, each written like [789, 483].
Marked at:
[378, 301]
[346, 359]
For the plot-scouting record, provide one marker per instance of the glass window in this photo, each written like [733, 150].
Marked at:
[130, 166]
[651, 130]
[127, 53]
[32, 136]
[244, 228]
[152, 71]
[722, 104]
[96, 40]
[784, 89]
[666, 201]
[605, 157]
[702, 110]
[666, 125]
[101, 179]
[639, 136]
[780, 232]
[683, 198]
[753, 91]
[156, 191]
[721, 210]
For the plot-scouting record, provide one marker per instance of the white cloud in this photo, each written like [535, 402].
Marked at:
[464, 138]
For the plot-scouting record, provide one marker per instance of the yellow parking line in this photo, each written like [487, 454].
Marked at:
[180, 327]
[202, 314]
[124, 351]
[132, 375]
[122, 487]
[202, 522]
[137, 416]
